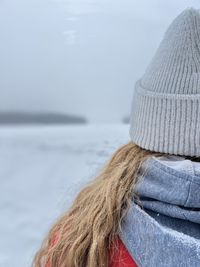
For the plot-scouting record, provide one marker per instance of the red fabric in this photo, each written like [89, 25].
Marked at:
[119, 257]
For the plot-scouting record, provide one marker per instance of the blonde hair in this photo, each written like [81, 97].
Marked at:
[88, 229]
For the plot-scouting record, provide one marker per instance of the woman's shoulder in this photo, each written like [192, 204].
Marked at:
[120, 256]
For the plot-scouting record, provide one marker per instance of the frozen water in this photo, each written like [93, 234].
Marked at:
[41, 170]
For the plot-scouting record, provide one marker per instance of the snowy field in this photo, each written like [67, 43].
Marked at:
[41, 170]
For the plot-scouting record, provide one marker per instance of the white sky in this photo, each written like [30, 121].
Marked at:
[77, 56]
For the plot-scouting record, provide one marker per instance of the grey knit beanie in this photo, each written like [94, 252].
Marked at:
[165, 112]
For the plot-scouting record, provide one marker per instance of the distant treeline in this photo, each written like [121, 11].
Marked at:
[39, 118]
[126, 120]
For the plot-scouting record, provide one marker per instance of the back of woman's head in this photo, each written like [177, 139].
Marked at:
[83, 236]
[164, 118]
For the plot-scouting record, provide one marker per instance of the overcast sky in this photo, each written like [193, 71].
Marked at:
[79, 56]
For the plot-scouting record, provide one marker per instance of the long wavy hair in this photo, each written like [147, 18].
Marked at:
[83, 236]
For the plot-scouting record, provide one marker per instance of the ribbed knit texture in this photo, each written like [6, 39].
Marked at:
[165, 113]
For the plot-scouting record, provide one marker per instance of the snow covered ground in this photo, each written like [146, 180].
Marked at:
[41, 170]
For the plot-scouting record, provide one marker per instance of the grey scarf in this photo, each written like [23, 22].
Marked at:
[163, 229]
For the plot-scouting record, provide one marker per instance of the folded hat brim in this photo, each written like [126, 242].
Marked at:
[167, 123]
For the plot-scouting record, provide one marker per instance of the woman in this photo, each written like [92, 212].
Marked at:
[143, 209]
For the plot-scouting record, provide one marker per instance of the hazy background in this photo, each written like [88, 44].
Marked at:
[65, 62]
[79, 57]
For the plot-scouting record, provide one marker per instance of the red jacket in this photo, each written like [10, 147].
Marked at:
[120, 256]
